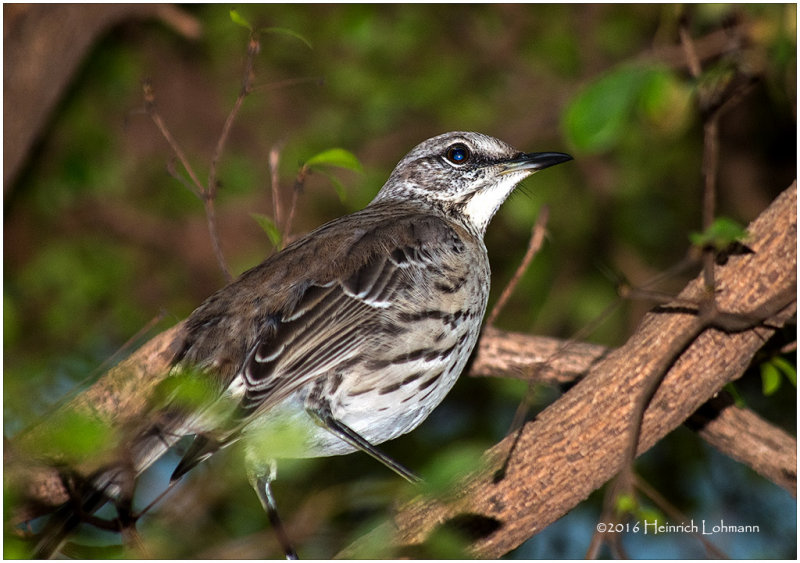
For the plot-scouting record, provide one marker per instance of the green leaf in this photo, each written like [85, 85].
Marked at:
[287, 32]
[626, 504]
[288, 437]
[186, 389]
[335, 157]
[770, 378]
[237, 18]
[73, 436]
[598, 117]
[773, 372]
[337, 185]
[738, 400]
[269, 227]
[666, 102]
[719, 235]
[787, 368]
[650, 515]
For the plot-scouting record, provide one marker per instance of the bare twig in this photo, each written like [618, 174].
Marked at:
[710, 148]
[710, 164]
[171, 170]
[179, 20]
[296, 191]
[208, 193]
[689, 51]
[211, 221]
[274, 175]
[150, 108]
[709, 46]
[650, 492]
[253, 47]
[205, 194]
[534, 245]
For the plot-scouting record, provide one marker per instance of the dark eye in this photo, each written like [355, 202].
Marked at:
[458, 153]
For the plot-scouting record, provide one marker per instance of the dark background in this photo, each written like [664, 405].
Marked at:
[99, 239]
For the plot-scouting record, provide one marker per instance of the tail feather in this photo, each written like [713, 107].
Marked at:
[64, 521]
[113, 483]
[201, 449]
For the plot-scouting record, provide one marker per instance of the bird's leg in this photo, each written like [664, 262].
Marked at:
[325, 418]
[261, 483]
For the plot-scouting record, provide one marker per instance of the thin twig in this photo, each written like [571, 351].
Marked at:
[650, 492]
[534, 245]
[150, 108]
[689, 51]
[171, 170]
[211, 221]
[710, 148]
[253, 47]
[210, 193]
[274, 175]
[710, 165]
[296, 191]
[205, 194]
[710, 46]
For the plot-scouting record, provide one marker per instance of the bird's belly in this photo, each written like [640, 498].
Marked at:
[392, 386]
[377, 411]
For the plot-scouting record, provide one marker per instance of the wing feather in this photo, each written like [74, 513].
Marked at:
[330, 323]
[317, 324]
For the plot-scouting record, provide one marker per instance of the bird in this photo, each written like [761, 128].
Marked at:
[350, 336]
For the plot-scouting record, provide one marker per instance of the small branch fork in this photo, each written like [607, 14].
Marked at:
[534, 245]
[712, 103]
[207, 193]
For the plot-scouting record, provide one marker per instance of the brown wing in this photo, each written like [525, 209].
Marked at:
[334, 324]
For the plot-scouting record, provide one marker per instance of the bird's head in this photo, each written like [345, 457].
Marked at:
[466, 173]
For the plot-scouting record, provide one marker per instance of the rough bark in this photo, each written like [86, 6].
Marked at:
[746, 437]
[736, 432]
[579, 442]
[44, 46]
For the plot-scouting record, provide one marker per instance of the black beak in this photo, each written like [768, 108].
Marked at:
[534, 161]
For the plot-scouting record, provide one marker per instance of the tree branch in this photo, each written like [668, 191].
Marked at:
[735, 431]
[578, 443]
[748, 438]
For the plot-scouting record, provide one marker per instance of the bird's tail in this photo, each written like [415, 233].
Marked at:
[112, 483]
[64, 521]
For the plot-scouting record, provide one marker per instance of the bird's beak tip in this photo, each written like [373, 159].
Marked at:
[535, 161]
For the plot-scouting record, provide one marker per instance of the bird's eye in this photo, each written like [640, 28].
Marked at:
[458, 153]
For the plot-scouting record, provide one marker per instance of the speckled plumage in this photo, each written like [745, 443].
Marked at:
[356, 331]
[371, 317]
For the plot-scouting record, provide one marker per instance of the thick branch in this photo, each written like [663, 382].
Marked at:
[748, 438]
[44, 46]
[736, 432]
[117, 398]
[578, 443]
[534, 358]
[553, 452]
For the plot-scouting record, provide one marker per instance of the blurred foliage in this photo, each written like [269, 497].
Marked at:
[719, 235]
[99, 238]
